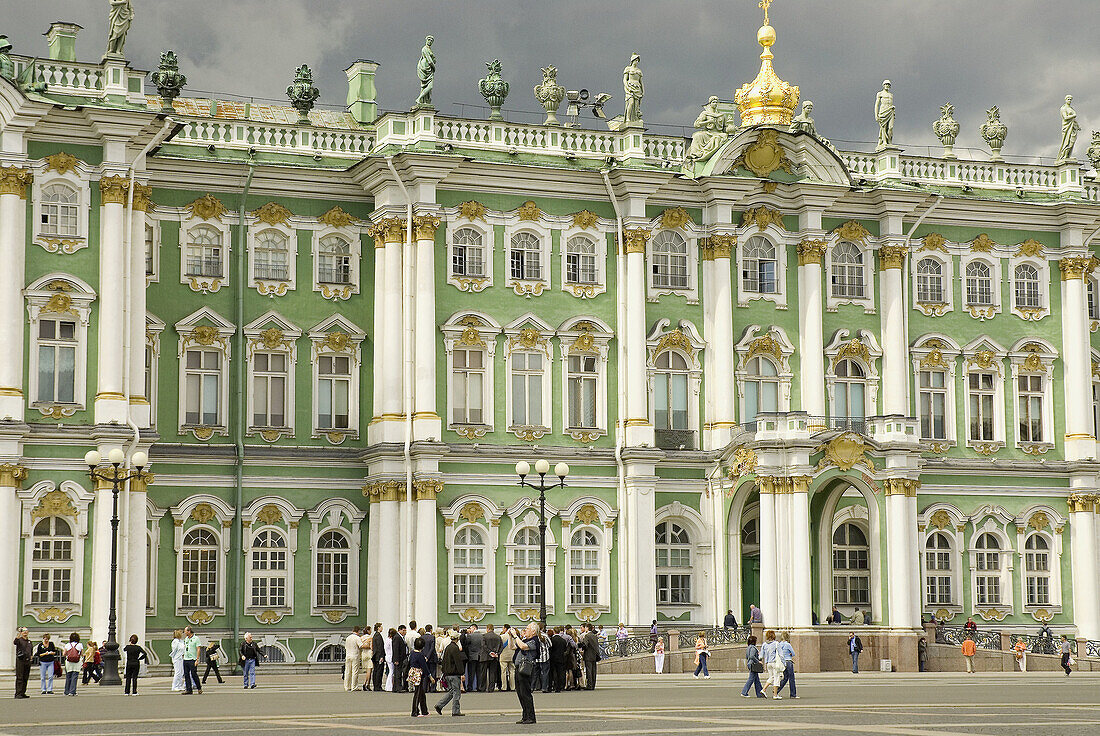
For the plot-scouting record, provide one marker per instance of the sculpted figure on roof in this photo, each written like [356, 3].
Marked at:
[120, 16]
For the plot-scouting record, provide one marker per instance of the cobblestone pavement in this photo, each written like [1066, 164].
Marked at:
[624, 705]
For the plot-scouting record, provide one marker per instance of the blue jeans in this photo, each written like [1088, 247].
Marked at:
[753, 681]
[788, 676]
[46, 671]
[249, 671]
[855, 663]
[702, 666]
[71, 678]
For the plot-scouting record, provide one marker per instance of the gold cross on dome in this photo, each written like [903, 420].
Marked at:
[764, 4]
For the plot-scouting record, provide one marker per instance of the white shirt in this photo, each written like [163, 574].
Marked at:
[352, 645]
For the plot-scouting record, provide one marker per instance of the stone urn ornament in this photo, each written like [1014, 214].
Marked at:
[994, 132]
[550, 94]
[302, 93]
[168, 80]
[494, 89]
[1093, 151]
[946, 129]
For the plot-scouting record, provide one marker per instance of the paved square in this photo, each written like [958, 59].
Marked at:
[894, 705]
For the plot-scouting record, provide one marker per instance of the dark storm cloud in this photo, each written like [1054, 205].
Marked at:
[1023, 55]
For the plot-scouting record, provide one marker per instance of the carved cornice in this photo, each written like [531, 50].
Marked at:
[675, 218]
[811, 251]
[762, 216]
[14, 180]
[62, 162]
[853, 231]
[585, 219]
[336, 217]
[273, 213]
[54, 503]
[675, 339]
[845, 452]
[207, 207]
[1030, 248]
[982, 244]
[529, 211]
[934, 241]
[472, 210]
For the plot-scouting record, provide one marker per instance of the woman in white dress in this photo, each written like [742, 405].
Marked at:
[659, 656]
[177, 660]
[773, 663]
[388, 686]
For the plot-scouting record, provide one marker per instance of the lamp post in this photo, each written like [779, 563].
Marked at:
[116, 478]
[542, 467]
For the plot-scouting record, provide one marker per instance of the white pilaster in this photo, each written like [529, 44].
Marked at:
[721, 342]
[110, 402]
[139, 402]
[10, 517]
[901, 521]
[1080, 442]
[640, 488]
[389, 594]
[132, 600]
[639, 429]
[427, 579]
[1086, 586]
[769, 592]
[799, 556]
[374, 433]
[426, 422]
[389, 368]
[811, 345]
[895, 353]
[99, 588]
[373, 492]
[13, 318]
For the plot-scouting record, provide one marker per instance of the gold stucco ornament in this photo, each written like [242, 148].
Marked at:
[765, 156]
[767, 99]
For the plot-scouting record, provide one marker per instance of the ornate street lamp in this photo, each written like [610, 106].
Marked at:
[542, 467]
[116, 478]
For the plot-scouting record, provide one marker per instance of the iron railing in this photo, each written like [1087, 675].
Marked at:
[987, 639]
[629, 646]
[1092, 648]
[1037, 644]
[204, 267]
[844, 424]
[270, 271]
[675, 439]
[716, 636]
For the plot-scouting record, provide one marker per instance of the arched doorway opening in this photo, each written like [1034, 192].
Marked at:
[847, 555]
[743, 550]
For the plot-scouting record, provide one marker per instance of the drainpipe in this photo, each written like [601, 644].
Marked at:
[242, 414]
[407, 367]
[620, 386]
[905, 291]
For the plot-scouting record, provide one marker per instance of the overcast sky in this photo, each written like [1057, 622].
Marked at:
[1023, 55]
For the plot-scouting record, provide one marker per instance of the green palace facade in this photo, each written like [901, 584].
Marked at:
[780, 372]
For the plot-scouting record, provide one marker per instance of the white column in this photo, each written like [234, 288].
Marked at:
[379, 333]
[722, 341]
[640, 487]
[389, 594]
[133, 599]
[99, 588]
[811, 344]
[373, 492]
[10, 517]
[895, 342]
[390, 370]
[639, 430]
[139, 402]
[427, 578]
[708, 439]
[13, 317]
[769, 592]
[1086, 586]
[900, 552]
[426, 421]
[110, 402]
[1080, 442]
[799, 558]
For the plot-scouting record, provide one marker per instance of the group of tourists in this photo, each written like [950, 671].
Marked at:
[775, 659]
[77, 662]
[184, 654]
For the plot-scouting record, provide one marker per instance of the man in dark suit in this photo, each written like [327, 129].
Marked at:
[473, 645]
[855, 646]
[590, 653]
[378, 657]
[492, 646]
[730, 621]
[559, 655]
[400, 661]
[432, 655]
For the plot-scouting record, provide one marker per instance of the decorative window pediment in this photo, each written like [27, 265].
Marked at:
[272, 250]
[471, 526]
[933, 280]
[337, 255]
[54, 528]
[583, 344]
[470, 339]
[527, 270]
[672, 263]
[935, 363]
[763, 371]
[206, 243]
[205, 349]
[1031, 363]
[588, 529]
[201, 540]
[985, 386]
[272, 355]
[58, 310]
[521, 550]
[337, 362]
[61, 196]
[852, 377]
[1030, 283]
[528, 353]
[675, 374]
[470, 254]
[270, 544]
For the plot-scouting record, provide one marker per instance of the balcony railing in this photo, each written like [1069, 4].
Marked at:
[211, 267]
[333, 275]
[843, 424]
[271, 272]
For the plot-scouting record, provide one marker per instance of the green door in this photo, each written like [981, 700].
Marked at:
[750, 584]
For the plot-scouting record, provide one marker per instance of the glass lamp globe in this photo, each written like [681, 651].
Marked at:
[561, 470]
[542, 467]
[523, 468]
[116, 456]
[92, 459]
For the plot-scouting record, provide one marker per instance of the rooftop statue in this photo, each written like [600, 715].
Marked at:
[947, 129]
[425, 70]
[713, 130]
[302, 93]
[633, 91]
[1070, 127]
[120, 16]
[550, 94]
[994, 132]
[168, 80]
[803, 122]
[1093, 151]
[494, 89]
[884, 114]
[7, 69]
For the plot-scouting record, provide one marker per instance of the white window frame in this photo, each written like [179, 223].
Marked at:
[153, 224]
[522, 523]
[867, 251]
[205, 329]
[589, 512]
[59, 297]
[949, 574]
[661, 340]
[947, 283]
[1042, 268]
[942, 518]
[206, 284]
[584, 336]
[352, 234]
[153, 514]
[691, 290]
[337, 337]
[931, 353]
[464, 282]
[680, 570]
[76, 178]
[529, 334]
[186, 516]
[1033, 357]
[973, 354]
[1004, 574]
[776, 238]
[843, 519]
[843, 347]
[1092, 302]
[769, 343]
[263, 335]
[1051, 525]
[153, 328]
[336, 514]
[472, 330]
[987, 311]
[599, 238]
[526, 286]
[486, 517]
[75, 502]
[270, 285]
[287, 526]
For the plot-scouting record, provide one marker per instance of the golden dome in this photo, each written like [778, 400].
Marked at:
[766, 99]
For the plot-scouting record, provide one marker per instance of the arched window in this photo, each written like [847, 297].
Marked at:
[750, 535]
[1037, 570]
[673, 563]
[204, 252]
[469, 566]
[272, 256]
[273, 654]
[937, 570]
[269, 570]
[670, 391]
[933, 405]
[580, 260]
[525, 568]
[199, 569]
[670, 261]
[759, 267]
[467, 252]
[1027, 286]
[761, 388]
[851, 566]
[987, 576]
[979, 284]
[849, 396]
[333, 570]
[334, 260]
[60, 211]
[331, 653]
[584, 568]
[525, 257]
[52, 565]
[930, 281]
[847, 276]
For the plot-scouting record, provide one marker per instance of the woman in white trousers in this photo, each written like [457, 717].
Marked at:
[659, 656]
[773, 663]
[177, 660]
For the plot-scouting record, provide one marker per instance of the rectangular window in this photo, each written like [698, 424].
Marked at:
[527, 375]
[670, 271]
[467, 387]
[468, 260]
[56, 361]
[673, 588]
[582, 391]
[51, 585]
[933, 405]
[525, 259]
[981, 406]
[1030, 407]
[149, 246]
[580, 268]
[469, 589]
[269, 384]
[670, 400]
[333, 391]
[526, 590]
[988, 590]
[202, 387]
[583, 590]
[332, 578]
[199, 578]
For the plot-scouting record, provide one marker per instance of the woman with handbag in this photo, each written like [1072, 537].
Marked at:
[755, 666]
[419, 677]
[773, 664]
[528, 644]
[702, 653]
[91, 660]
[46, 654]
